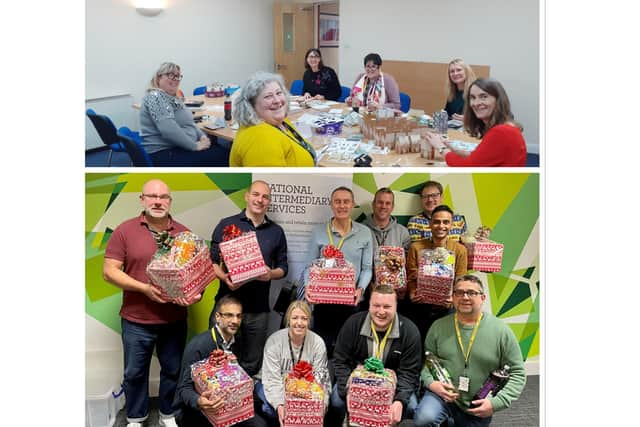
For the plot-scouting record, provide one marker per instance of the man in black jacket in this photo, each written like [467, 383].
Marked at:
[390, 337]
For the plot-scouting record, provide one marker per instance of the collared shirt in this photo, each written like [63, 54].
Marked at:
[226, 345]
[419, 227]
[357, 249]
[254, 294]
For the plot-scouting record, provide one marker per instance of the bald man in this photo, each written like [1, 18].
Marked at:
[254, 295]
[148, 322]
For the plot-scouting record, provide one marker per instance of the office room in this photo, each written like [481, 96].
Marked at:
[225, 42]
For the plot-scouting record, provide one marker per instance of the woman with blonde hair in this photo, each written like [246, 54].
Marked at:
[167, 129]
[283, 350]
[459, 79]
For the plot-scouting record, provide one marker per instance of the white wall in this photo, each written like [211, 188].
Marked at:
[500, 33]
[212, 40]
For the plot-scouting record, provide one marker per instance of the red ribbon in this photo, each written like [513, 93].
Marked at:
[304, 370]
[331, 251]
[217, 359]
[230, 232]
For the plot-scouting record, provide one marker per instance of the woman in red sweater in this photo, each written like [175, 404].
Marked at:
[487, 115]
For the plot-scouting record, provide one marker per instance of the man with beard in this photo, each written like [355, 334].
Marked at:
[430, 197]
[254, 294]
[228, 317]
[148, 322]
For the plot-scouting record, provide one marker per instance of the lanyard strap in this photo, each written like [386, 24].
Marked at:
[380, 345]
[294, 135]
[215, 339]
[293, 359]
[331, 237]
[473, 337]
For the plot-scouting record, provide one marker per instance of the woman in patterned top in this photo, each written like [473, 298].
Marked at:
[319, 81]
[167, 129]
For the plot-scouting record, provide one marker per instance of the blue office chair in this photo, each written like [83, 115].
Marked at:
[133, 145]
[296, 87]
[107, 132]
[533, 160]
[346, 91]
[200, 90]
[405, 102]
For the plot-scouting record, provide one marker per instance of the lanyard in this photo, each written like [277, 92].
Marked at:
[331, 237]
[473, 337]
[384, 237]
[380, 345]
[293, 359]
[294, 135]
[215, 339]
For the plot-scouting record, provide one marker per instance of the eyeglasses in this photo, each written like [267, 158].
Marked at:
[371, 67]
[157, 196]
[176, 77]
[313, 56]
[470, 293]
[231, 315]
[430, 196]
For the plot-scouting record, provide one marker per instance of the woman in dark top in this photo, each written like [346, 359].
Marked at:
[319, 81]
[459, 78]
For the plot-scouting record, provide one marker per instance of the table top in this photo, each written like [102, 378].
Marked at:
[213, 107]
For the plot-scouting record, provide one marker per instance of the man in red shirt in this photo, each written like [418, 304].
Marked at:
[148, 322]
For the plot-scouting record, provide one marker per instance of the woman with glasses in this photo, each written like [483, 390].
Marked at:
[487, 115]
[283, 350]
[168, 132]
[374, 89]
[319, 81]
[459, 78]
[266, 137]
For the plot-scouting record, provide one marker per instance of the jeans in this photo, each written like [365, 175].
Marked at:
[433, 411]
[338, 409]
[253, 331]
[139, 341]
[216, 155]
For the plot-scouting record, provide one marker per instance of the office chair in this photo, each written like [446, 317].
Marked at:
[344, 94]
[200, 90]
[133, 145]
[107, 132]
[405, 102]
[296, 87]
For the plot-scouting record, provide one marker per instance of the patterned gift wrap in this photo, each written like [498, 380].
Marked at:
[369, 397]
[299, 411]
[243, 258]
[435, 279]
[230, 382]
[390, 266]
[332, 281]
[484, 255]
[178, 276]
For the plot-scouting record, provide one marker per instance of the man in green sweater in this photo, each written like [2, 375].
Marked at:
[470, 345]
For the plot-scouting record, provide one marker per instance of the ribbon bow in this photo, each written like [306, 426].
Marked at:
[163, 241]
[230, 232]
[439, 255]
[331, 251]
[392, 262]
[375, 365]
[303, 370]
[482, 233]
[217, 359]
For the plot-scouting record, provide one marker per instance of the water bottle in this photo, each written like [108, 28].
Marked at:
[493, 384]
[438, 371]
[227, 108]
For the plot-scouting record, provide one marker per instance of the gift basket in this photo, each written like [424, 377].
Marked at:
[332, 279]
[241, 254]
[390, 266]
[483, 254]
[304, 397]
[222, 374]
[370, 392]
[181, 267]
[435, 276]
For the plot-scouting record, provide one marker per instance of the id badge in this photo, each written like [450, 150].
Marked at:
[463, 383]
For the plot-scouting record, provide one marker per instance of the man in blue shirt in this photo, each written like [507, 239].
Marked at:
[254, 294]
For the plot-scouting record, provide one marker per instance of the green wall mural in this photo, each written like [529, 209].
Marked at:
[506, 202]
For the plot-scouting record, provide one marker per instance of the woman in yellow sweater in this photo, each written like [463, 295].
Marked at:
[266, 137]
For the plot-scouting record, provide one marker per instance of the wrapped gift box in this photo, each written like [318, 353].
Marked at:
[369, 397]
[484, 255]
[390, 267]
[328, 126]
[435, 278]
[229, 381]
[332, 281]
[303, 403]
[243, 258]
[183, 270]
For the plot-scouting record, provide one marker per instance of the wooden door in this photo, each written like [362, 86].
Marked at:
[292, 37]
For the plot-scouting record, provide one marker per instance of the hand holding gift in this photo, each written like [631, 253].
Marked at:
[242, 256]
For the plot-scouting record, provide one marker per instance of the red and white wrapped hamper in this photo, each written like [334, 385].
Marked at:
[332, 279]
[436, 271]
[483, 254]
[370, 393]
[241, 254]
[304, 398]
[390, 267]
